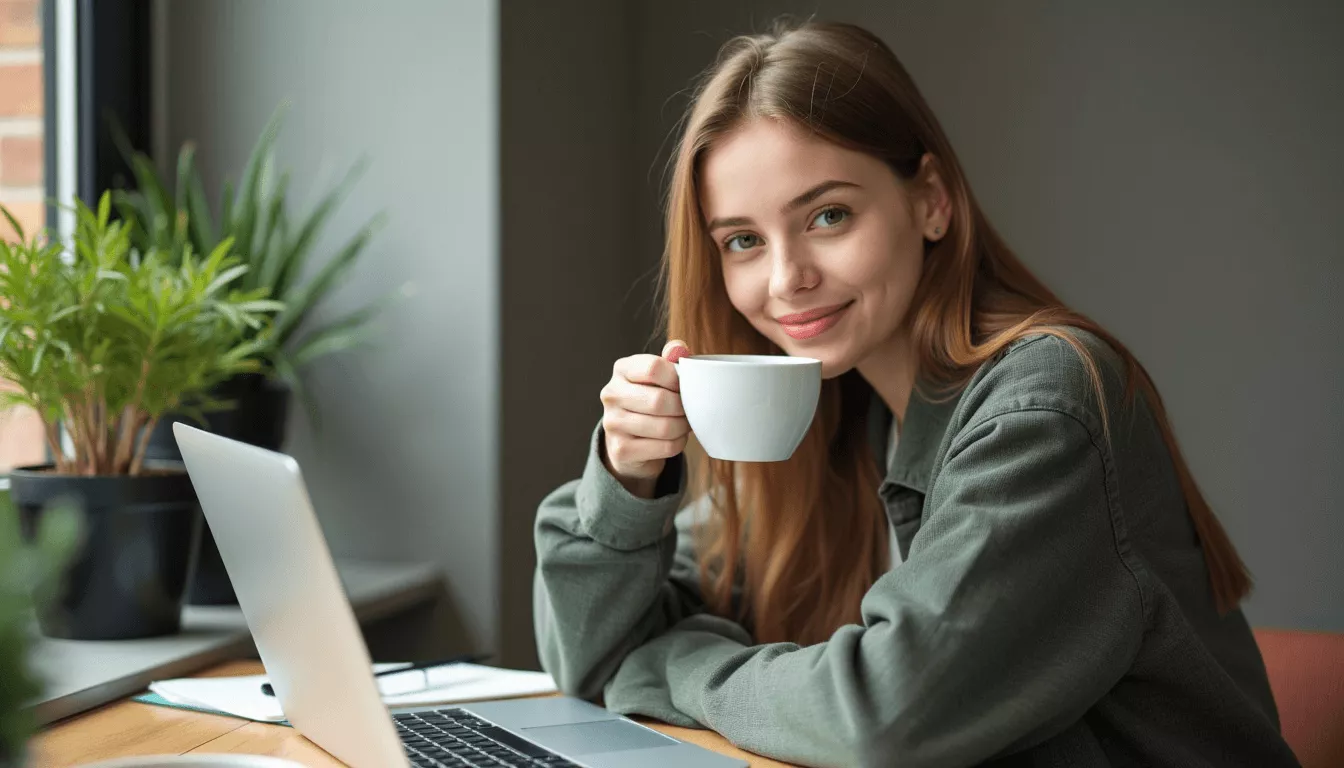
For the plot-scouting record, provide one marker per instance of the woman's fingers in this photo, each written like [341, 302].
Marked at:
[648, 369]
[625, 451]
[652, 427]
[675, 349]
[620, 394]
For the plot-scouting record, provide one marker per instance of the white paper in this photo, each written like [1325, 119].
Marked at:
[239, 696]
[452, 684]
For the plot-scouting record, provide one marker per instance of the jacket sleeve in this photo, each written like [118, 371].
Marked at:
[1011, 617]
[613, 570]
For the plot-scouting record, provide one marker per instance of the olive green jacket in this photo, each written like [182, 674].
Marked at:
[1052, 609]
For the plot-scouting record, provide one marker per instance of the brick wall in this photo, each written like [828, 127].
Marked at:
[21, 177]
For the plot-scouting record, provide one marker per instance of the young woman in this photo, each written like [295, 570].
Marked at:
[988, 546]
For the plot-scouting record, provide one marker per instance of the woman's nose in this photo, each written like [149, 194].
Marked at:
[790, 272]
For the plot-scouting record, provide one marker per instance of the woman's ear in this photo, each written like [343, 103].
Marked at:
[933, 205]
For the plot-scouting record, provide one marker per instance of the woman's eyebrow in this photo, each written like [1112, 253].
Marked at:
[814, 193]
[792, 205]
[733, 221]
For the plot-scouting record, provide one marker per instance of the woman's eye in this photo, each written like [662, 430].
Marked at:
[739, 243]
[830, 217]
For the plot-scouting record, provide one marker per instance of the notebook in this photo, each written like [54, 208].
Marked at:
[242, 696]
[159, 701]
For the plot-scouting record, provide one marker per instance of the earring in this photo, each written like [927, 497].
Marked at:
[937, 230]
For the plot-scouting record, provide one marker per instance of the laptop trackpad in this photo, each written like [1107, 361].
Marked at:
[599, 736]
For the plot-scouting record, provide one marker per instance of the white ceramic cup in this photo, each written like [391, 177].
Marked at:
[196, 761]
[749, 407]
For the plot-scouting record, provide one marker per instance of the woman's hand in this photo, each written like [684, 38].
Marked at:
[642, 419]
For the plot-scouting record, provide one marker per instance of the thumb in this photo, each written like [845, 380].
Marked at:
[676, 349]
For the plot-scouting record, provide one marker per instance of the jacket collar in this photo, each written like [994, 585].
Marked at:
[926, 421]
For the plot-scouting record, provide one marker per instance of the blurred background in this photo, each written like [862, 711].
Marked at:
[1174, 170]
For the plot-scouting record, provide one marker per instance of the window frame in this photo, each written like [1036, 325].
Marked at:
[97, 59]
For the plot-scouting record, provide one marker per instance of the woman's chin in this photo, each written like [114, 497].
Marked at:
[834, 363]
[834, 371]
[835, 358]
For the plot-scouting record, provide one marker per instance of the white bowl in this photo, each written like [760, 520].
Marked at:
[195, 761]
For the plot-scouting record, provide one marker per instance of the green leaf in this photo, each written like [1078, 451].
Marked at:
[328, 341]
[292, 267]
[158, 203]
[218, 255]
[133, 209]
[275, 250]
[287, 373]
[258, 157]
[247, 349]
[11, 399]
[13, 222]
[245, 218]
[346, 333]
[137, 321]
[62, 313]
[185, 167]
[226, 213]
[104, 207]
[38, 357]
[226, 277]
[191, 199]
[202, 227]
[311, 293]
[262, 305]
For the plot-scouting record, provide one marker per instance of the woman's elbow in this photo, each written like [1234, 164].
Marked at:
[573, 675]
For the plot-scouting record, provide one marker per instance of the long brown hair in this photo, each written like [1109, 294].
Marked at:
[808, 536]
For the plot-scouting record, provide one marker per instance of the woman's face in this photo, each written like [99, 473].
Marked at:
[821, 247]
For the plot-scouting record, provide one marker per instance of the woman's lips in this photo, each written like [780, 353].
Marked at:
[807, 325]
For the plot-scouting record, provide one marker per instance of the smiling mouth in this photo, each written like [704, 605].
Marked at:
[813, 323]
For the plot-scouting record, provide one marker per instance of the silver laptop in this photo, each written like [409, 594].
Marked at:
[306, 634]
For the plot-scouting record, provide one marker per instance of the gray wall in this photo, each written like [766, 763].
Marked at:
[406, 464]
[1176, 172]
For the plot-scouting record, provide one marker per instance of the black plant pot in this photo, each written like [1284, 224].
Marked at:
[258, 418]
[129, 577]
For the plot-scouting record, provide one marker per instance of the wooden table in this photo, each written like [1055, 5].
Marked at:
[132, 728]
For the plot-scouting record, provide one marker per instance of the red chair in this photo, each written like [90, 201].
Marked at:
[1306, 672]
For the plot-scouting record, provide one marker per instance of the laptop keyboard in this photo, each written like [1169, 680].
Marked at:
[456, 738]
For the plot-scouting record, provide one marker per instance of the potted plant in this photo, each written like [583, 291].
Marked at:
[27, 574]
[102, 340]
[174, 214]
